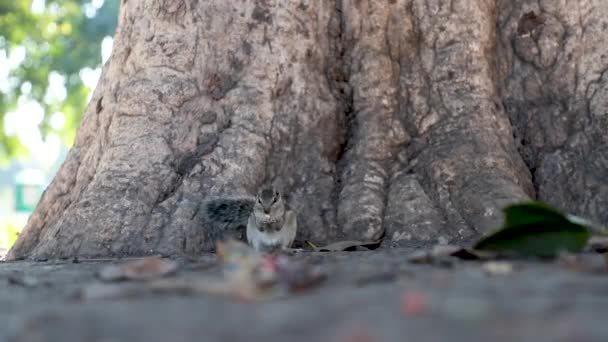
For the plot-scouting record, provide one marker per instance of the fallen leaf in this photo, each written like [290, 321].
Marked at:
[598, 244]
[535, 229]
[442, 252]
[429, 256]
[298, 275]
[250, 275]
[247, 276]
[588, 263]
[310, 244]
[497, 267]
[348, 245]
[139, 269]
[591, 226]
[114, 291]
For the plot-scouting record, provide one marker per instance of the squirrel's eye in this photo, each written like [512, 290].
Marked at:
[259, 200]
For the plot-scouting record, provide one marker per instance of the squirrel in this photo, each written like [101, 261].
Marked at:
[270, 223]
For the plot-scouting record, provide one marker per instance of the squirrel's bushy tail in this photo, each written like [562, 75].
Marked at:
[227, 218]
[229, 211]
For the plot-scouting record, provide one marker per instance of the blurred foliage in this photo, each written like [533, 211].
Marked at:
[60, 39]
[8, 235]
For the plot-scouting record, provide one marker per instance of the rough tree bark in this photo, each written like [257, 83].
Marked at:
[410, 118]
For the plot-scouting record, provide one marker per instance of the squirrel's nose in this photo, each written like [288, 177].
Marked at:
[266, 211]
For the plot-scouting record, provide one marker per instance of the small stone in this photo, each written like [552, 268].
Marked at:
[497, 267]
[442, 240]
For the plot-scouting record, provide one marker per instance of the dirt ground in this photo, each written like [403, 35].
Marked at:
[368, 296]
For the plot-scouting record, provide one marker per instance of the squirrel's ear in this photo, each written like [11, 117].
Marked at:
[278, 187]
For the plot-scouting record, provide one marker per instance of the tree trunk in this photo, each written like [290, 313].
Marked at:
[412, 119]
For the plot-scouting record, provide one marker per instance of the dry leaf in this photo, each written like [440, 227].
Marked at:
[444, 252]
[310, 244]
[346, 245]
[251, 276]
[589, 263]
[252, 272]
[298, 275]
[497, 267]
[140, 269]
[598, 244]
[246, 275]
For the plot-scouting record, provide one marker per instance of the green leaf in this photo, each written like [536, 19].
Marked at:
[535, 229]
[531, 213]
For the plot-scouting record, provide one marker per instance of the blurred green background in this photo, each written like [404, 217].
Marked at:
[51, 54]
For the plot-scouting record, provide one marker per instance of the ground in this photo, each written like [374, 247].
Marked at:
[368, 296]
